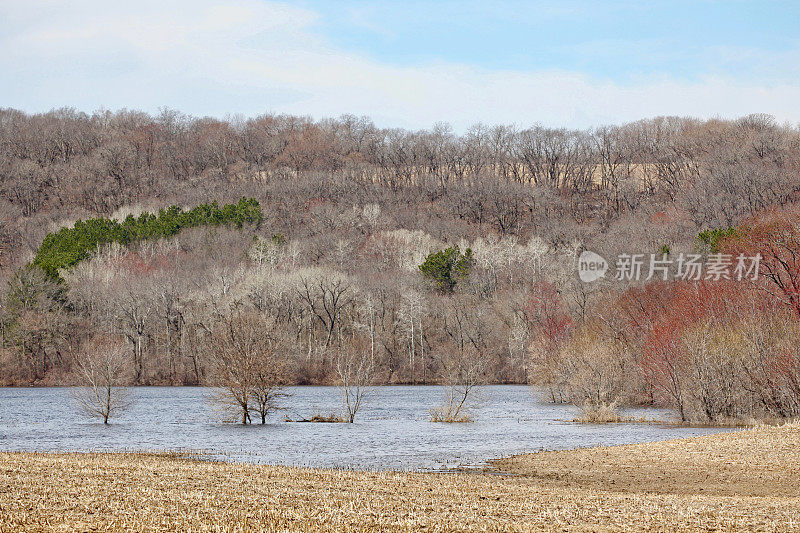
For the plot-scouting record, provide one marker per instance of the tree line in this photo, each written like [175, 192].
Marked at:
[68, 165]
[436, 257]
[66, 247]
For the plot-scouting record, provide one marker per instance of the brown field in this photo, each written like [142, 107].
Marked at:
[747, 480]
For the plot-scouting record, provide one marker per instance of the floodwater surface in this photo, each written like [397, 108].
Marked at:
[391, 431]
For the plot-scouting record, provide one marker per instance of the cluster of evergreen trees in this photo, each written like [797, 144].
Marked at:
[69, 246]
[446, 267]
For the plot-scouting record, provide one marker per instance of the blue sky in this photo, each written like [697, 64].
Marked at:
[623, 41]
[409, 64]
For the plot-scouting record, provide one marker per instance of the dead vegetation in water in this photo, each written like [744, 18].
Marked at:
[331, 418]
[447, 416]
[737, 481]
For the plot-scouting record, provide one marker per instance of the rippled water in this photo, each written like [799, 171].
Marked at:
[392, 431]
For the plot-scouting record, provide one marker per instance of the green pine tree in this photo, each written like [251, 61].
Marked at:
[446, 267]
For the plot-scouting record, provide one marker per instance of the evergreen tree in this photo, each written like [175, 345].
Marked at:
[446, 267]
[68, 246]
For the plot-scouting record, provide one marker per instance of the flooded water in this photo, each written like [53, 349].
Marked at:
[392, 431]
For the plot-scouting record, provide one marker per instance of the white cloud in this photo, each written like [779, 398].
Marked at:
[251, 56]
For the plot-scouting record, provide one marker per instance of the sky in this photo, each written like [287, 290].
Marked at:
[406, 63]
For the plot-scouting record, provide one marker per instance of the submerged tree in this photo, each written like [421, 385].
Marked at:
[463, 362]
[103, 370]
[461, 372]
[245, 366]
[355, 371]
[269, 378]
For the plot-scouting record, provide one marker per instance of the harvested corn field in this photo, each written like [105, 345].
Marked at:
[738, 481]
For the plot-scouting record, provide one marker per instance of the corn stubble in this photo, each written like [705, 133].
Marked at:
[578, 490]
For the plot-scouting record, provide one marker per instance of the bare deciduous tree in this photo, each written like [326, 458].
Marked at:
[103, 369]
[246, 369]
[269, 376]
[461, 372]
[462, 361]
[355, 371]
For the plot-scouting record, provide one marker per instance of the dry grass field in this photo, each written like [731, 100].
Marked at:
[746, 480]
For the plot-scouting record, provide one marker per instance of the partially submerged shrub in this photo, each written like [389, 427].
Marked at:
[599, 413]
[448, 415]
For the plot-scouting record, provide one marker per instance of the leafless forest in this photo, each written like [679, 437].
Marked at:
[350, 211]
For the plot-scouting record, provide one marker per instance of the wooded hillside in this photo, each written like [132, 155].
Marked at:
[439, 256]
